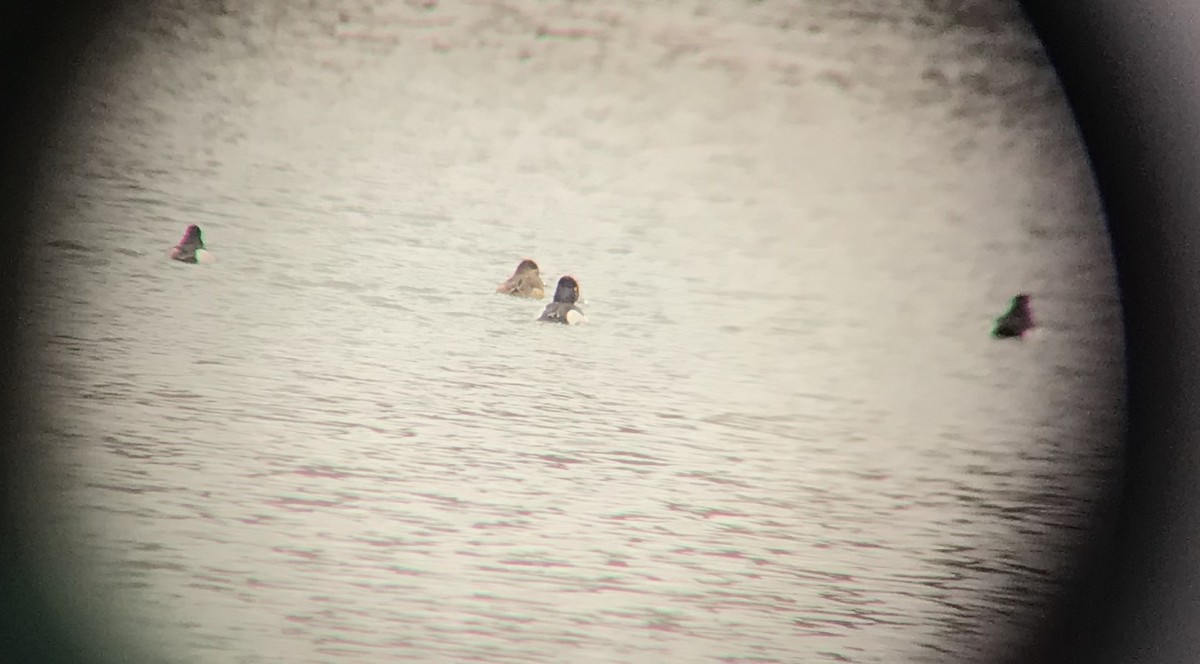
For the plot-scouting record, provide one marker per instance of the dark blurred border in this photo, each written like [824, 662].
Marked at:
[1131, 71]
[41, 43]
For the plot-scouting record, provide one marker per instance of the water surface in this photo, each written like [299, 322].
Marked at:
[784, 434]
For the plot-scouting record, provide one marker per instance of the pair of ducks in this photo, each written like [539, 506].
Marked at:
[526, 281]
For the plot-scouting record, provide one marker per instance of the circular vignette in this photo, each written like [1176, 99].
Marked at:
[40, 45]
[1125, 69]
[1122, 68]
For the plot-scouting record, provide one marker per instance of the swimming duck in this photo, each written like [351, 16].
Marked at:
[185, 251]
[1017, 321]
[524, 282]
[563, 309]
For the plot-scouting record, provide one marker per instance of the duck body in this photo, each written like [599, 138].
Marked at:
[1017, 321]
[563, 309]
[186, 250]
[526, 281]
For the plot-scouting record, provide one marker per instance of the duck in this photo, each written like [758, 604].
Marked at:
[563, 309]
[192, 242]
[525, 281]
[1017, 321]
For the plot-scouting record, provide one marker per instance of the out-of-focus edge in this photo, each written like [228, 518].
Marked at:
[1129, 70]
[41, 42]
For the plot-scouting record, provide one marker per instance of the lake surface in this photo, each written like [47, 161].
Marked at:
[783, 435]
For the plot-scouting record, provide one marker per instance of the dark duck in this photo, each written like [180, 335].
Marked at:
[185, 251]
[563, 309]
[526, 281]
[1017, 321]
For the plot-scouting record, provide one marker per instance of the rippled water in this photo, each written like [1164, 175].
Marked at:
[784, 434]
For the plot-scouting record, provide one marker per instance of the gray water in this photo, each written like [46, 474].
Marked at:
[783, 435]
